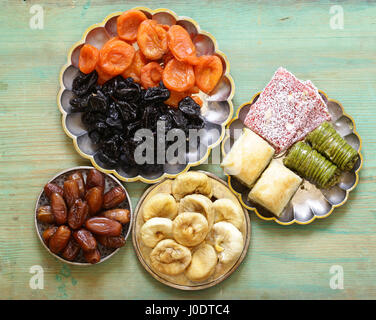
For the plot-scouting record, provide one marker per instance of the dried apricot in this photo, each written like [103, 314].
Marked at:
[128, 23]
[151, 75]
[178, 76]
[88, 59]
[175, 98]
[103, 77]
[208, 72]
[180, 43]
[134, 70]
[115, 56]
[152, 39]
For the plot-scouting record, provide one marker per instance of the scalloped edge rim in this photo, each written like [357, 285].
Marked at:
[83, 263]
[199, 286]
[333, 206]
[139, 177]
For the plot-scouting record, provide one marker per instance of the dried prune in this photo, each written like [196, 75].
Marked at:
[83, 83]
[189, 107]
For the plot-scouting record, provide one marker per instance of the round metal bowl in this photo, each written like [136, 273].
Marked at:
[168, 280]
[110, 181]
[217, 107]
[309, 202]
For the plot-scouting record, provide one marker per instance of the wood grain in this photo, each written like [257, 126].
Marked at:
[282, 262]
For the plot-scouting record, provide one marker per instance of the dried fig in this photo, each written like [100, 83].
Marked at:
[72, 250]
[113, 197]
[59, 208]
[92, 256]
[94, 179]
[103, 226]
[78, 214]
[77, 176]
[120, 215]
[71, 192]
[45, 215]
[94, 198]
[85, 239]
[51, 188]
[60, 239]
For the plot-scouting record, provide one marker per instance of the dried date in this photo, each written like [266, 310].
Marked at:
[59, 208]
[94, 198]
[85, 239]
[72, 250]
[78, 214]
[103, 226]
[45, 215]
[51, 188]
[111, 242]
[71, 192]
[60, 239]
[94, 179]
[48, 233]
[77, 176]
[113, 197]
[120, 215]
[92, 256]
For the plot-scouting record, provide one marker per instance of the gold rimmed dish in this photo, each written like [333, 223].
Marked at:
[217, 107]
[309, 202]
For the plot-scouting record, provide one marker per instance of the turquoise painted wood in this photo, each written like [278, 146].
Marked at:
[282, 262]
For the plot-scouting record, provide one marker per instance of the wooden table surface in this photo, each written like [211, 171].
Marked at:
[291, 262]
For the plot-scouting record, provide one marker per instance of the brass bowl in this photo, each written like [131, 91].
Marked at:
[309, 202]
[110, 181]
[217, 107]
[169, 280]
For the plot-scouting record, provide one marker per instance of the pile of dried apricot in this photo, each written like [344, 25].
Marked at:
[165, 53]
[80, 214]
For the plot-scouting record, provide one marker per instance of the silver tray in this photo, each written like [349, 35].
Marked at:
[110, 181]
[217, 107]
[309, 202]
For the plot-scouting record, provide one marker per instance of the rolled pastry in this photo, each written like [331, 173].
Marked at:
[248, 157]
[275, 187]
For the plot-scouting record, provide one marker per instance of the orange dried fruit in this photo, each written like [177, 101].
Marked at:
[128, 23]
[134, 70]
[88, 59]
[151, 75]
[208, 72]
[115, 56]
[152, 39]
[178, 76]
[180, 43]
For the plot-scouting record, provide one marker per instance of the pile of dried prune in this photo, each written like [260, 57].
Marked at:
[113, 112]
[81, 214]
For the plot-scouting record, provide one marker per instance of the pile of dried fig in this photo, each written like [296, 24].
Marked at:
[80, 214]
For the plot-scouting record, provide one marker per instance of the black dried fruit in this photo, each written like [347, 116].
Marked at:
[112, 114]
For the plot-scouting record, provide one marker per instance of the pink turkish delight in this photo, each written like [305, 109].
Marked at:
[287, 110]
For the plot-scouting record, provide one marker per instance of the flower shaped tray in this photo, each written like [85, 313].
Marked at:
[217, 107]
[309, 202]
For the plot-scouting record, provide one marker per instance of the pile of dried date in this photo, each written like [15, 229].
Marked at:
[80, 215]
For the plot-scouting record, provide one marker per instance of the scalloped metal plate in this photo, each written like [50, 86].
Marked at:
[309, 202]
[110, 181]
[217, 107]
